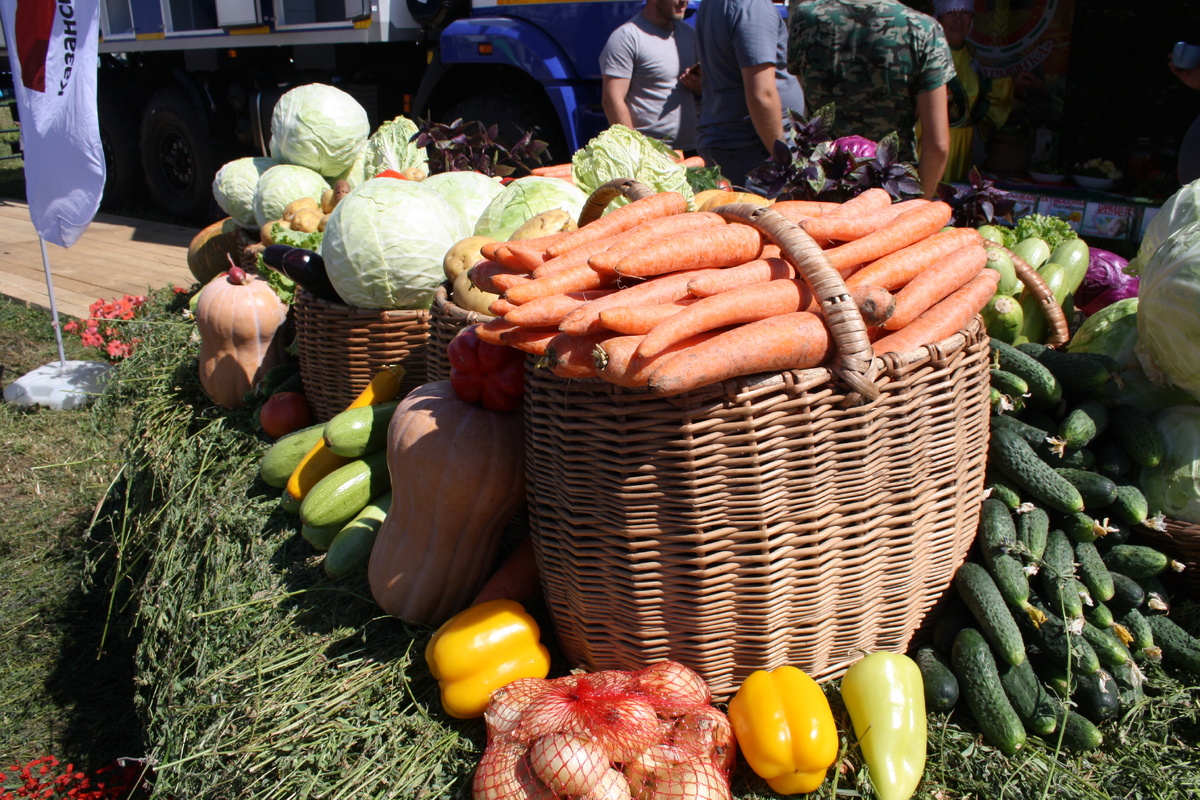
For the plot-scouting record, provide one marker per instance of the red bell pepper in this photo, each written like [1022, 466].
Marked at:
[485, 374]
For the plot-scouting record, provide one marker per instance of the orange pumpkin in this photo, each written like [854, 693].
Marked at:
[240, 319]
[209, 253]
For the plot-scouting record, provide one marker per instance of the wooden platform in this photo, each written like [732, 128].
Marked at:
[114, 257]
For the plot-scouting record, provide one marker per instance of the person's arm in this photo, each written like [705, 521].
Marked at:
[934, 115]
[612, 98]
[762, 100]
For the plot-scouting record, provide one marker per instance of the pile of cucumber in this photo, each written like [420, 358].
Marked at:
[1062, 600]
[343, 512]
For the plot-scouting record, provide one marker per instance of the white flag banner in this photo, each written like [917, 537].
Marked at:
[52, 47]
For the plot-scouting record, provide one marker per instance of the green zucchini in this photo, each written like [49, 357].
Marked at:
[319, 536]
[1097, 696]
[1112, 460]
[993, 233]
[1096, 490]
[1127, 593]
[1130, 504]
[1178, 646]
[339, 496]
[281, 458]
[1043, 386]
[1083, 423]
[1073, 255]
[351, 548]
[1016, 459]
[1002, 489]
[1139, 561]
[1010, 284]
[1091, 569]
[982, 597]
[1033, 528]
[1109, 649]
[1003, 316]
[1036, 708]
[289, 504]
[979, 682]
[1137, 435]
[1077, 733]
[355, 432]
[941, 686]
[1033, 251]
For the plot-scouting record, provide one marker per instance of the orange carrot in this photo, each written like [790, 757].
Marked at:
[659, 204]
[848, 227]
[665, 289]
[580, 278]
[910, 227]
[485, 273]
[735, 307]
[488, 250]
[517, 578]
[527, 254]
[499, 307]
[692, 161]
[796, 210]
[505, 281]
[650, 231]
[617, 362]
[641, 319]
[545, 312]
[799, 340]
[572, 356]
[718, 246]
[894, 270]
[872, 199]
[944, 319]
[575, 257]
[875, 303]
[491, 330]
[936, 282]
[552, 170]
[759, 270]
[528, 340]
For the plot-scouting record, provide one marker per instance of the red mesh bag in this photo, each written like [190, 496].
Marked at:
[650, 734]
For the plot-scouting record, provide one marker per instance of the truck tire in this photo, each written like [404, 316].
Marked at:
[437, 13]
[514, 116]
[118, 139]
[178, 156]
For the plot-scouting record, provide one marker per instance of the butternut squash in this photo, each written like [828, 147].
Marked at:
[458, 474]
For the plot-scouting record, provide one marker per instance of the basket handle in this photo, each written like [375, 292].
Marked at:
[1060, 333]
[855, 360]
[607, 192]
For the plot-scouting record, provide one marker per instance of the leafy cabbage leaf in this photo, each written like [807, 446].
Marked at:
[234, 187]
[1173, 487]
[524, 199]
[280, 185]
[620, 152]
[320, 127]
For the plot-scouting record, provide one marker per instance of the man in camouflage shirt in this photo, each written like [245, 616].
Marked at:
[883, 65]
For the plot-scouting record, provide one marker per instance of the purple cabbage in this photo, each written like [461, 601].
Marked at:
[1105, 282]
[857, 146]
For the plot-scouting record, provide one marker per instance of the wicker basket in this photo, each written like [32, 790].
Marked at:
[1180, 540]
[342, 347]
[769, 520]
[445, 320]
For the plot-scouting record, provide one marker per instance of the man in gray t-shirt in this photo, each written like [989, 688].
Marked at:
[742, 46]
[648, 77]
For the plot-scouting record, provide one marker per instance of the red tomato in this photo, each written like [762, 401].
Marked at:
[391, 173]
[488, 375]
[284, 412]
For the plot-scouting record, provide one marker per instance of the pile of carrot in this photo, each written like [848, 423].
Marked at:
[652, 295]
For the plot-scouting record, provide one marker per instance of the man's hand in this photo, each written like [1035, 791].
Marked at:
[690, 78]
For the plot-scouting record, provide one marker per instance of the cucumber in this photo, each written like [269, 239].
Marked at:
[351, 548]
[1082, 375]
[281, 458]
[1010, 284]
[1141, 642]
[1077, 733]
[1033, 251]
[1036, 708]
[1008, 383]
[1010, 578]
[1073, 255]
[952, 618]
[1058, 578]
[355, 432]
[1066, 649]
[1130, 504]
[982, 597]
[1016, 459]
[1033, 528]
[1109, 649]
[1061, 457]
[1099, 615]
[1083, 423]
[1127, 593]
[319, 536]
[1003, 489]
[339, 496]
[1056, 679]
[1091, 569]
[1178, 646]
[1059, 555]
[1133, 431]
[1032, 434]
[1043, 386]
[1129, 684]
[1097, 696]
[1096, 490]
[1112, 460]
[1080, 526]
[941, 687]
[1157, 600]
[1138, 561]
[997, 533]
[1003, 317]
[979, 682]
[1038, 418]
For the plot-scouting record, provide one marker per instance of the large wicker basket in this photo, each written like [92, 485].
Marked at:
[769, 520]
[342, 347]
[1181, 540]
[445, 320]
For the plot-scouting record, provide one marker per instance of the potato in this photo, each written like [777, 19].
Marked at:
[414, 174]
[327, 200]
[324, 222]
[733, 197]
[462, 255]
[266, 237]
[307, 220]
[291, 208]
[469, 296]
[556, 220]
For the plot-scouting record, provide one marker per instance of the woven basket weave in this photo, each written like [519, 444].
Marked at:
[1181, 540]
[769, 520]
[445, 320]
[342, 347]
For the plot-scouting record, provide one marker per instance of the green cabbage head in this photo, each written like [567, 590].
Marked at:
[525, 198]
[385, 241]
[469, 192]
[1173, 487]
[319, 127]
[389, 147]
[1179, 209]
[234, 187]
[280, 185]
[620, 152]
[1168, 323]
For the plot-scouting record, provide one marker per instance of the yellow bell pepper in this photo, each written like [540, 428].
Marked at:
[785, 728]
[481, 649]
[885, 697]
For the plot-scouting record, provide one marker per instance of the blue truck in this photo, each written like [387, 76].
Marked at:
[186, 85]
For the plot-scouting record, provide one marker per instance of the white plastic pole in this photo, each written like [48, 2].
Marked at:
[62, 356]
